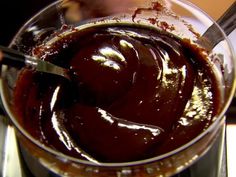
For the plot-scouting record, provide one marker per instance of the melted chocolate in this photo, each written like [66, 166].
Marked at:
[135, 93]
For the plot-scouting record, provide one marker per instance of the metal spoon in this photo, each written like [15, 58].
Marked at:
[17, 59]
[227, 22]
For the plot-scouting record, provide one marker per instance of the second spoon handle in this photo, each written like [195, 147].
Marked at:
[227, 22]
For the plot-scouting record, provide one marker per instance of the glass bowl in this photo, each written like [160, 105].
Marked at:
[180, 18]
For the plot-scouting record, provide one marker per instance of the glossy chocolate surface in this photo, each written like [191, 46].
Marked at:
[135, 93]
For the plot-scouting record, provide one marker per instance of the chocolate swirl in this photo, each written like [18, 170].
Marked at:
[134, 91]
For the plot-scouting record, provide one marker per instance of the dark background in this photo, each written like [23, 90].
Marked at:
[14, 13]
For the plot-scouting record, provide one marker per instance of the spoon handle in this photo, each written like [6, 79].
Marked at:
[227, 22]
[16, 59]
[12, 58]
